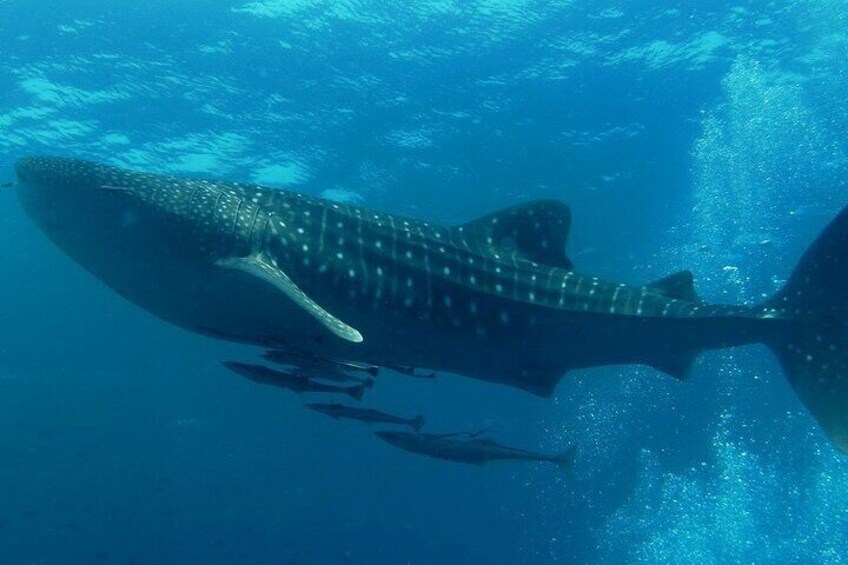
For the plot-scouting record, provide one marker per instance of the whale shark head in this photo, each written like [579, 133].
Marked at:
[173, 246]
[44, 186]
[97, 216]
[73, 203]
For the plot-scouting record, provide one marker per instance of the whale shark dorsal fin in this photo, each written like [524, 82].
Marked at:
[261, 268]
[678, 285]
[536, 231]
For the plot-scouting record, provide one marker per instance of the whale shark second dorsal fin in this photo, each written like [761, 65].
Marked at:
[259, 267]
[535, 231]
[679, 285]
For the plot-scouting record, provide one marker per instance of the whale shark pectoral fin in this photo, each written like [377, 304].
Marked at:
[259, 267]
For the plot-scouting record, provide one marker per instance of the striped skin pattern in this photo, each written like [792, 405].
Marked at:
[367, 253]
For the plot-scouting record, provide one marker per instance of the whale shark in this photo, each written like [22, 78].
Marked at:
[496, 298]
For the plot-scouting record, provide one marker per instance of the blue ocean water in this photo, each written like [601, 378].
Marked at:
[707, 136]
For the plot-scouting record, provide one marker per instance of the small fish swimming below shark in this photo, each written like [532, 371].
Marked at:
[324, 369]
[471, 449]
[495, 299]
[368, 415]
[301, 359]
[291, 381]
[338, 366]
[412, 372]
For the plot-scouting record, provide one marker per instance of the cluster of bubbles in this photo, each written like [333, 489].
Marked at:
[765, 165]
[739, 510]
[767, 174]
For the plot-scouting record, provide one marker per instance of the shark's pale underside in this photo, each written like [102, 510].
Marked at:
[495, 299]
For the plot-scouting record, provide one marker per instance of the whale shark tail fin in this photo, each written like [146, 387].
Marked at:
[814, 348]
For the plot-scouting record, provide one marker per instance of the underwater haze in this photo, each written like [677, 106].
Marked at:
[708, 136]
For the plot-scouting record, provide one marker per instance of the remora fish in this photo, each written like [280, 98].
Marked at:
[369, 415]
[495, 299]
[474, 451]
[412, 372]
[304, 361]
[290, 381]
[316, 374]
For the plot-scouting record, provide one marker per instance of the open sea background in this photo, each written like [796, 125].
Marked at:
[703, 135]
